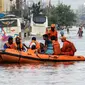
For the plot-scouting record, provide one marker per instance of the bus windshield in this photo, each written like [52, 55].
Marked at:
[8, 23]
[39, 19]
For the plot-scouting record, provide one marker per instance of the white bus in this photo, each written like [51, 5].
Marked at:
[10, 27]
[39, 24]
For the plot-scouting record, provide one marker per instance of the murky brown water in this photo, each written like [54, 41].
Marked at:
[63, 73]
[60, 73]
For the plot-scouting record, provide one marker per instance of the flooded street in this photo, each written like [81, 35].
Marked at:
[59, 73]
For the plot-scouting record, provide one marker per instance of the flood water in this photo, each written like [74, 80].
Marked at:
[58, 73]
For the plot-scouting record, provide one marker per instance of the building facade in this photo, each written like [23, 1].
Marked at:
[5, 5]
[1, 5]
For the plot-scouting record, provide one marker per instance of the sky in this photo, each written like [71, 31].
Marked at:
[74, 3]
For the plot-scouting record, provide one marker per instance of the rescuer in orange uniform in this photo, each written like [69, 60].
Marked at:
[52, 32]
[9, 44]
[56, 46]
[68, 47]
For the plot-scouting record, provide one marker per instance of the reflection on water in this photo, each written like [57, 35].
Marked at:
[60, 73]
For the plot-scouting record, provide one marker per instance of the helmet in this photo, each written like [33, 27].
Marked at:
[63, 38]
[52, 25]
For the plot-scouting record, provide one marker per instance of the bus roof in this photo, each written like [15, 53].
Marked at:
[9, 18]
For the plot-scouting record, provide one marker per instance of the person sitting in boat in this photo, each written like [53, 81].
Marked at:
[18, 44]
[68, 47]
[36, 43]
[42, 49]
[48, 45]
[33, 49]
[52, 32]
[56, 46]
[9, 44]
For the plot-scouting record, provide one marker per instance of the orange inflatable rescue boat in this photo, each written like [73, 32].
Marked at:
[15, 56]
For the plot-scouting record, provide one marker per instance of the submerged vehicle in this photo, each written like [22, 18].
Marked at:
[15, 56]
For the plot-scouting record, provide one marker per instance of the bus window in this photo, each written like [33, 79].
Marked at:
[11, 26]
[39, 19]
[8, 23]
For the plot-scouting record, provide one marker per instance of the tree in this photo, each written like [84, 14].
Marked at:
[80, 15]
[50, 12]
[36, 9]
[65, 15]
[60, 14]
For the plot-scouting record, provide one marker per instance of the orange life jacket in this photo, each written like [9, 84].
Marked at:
[12, 46]
[56, 48]
[30, 51]
[53, 33]
[71, 53]
[72, 46]
[37, 44]
[68, 48]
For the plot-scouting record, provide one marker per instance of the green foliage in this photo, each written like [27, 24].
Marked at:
[65, 15]
[61, 14]
[36, 9]
[50, 12]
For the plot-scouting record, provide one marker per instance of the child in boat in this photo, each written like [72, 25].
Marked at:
[36, 43]
[32, 50]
